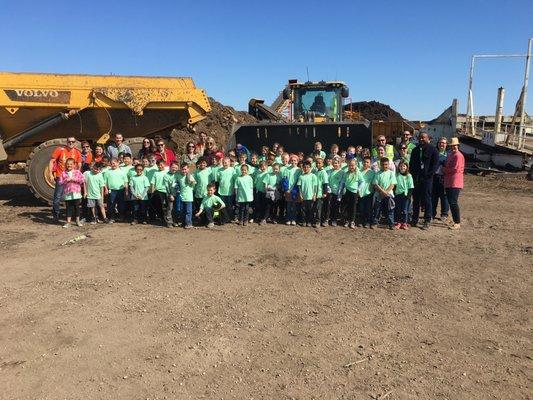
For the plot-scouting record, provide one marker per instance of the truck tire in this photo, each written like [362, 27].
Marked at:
[135, 145]
[37, 170]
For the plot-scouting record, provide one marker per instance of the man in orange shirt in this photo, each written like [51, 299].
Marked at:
[57, 166]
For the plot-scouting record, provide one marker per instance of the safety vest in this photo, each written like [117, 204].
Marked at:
[389, 152]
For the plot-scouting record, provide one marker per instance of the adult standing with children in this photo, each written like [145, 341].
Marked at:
[454, 169]
[423, 164]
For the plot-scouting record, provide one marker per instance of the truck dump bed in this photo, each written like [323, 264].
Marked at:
[38, 111]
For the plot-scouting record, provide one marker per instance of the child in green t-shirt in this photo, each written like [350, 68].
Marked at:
[336, 179]
[290, 177]
[210, 204]
[158, 188]
[117, 187]
[402, 195]
[244, 193]
[352, 180]
[272, 182]
[384, 183]
[95, 184]
[307, 187]
[225, 180]
[186, 184]
[203, 177]
[173, 195]
[260, 193]
[139, 187]
[321, 204]
[366, 191]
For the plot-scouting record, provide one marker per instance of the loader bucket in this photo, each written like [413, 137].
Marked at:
[301, 136]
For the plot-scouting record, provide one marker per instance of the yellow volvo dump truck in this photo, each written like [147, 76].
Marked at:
[39, 111]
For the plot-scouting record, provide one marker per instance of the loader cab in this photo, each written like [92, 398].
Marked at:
[317, 101]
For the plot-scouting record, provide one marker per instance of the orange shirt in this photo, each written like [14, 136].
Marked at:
[60, 156]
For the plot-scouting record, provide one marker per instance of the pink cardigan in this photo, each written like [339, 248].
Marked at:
[454, 169]
[72, 185]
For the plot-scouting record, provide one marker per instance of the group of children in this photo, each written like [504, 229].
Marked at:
[348, 188]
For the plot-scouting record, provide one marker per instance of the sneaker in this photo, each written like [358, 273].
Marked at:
[144, 222]
[187, 227]
[175, 225]
[314, 225]
[425, 226]
[333, 223]
[323, 224]
[372, 226]
[352, 225]
[346, 224]
[251, 220]
[404, 226]
[134, 222]
[293, 223]
[288, 223]
[455, 226]
[365, 226]
[262, 222]
[398, 225]
[93, 222]
[67, 225]
[79, 223]
[273, 222]
[110, 221]
[210, 225]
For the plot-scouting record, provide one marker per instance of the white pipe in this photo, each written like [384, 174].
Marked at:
[499, 110]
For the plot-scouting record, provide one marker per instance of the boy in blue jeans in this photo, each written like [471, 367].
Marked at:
[186, 186]
[384, 183]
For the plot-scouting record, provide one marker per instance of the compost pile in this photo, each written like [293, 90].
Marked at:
[218, 125]
[375, 111]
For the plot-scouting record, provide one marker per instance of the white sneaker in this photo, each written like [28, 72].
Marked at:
[293, 223]
[79, 223]
[67, 225]
[210, 225]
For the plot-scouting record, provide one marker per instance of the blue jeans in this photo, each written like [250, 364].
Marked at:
[365, 204]
[439, 194]
[291, 211]
[186, 212]
[139, 210]
[402, 208]
[382, 204]
[453, 199]
[115, 200]
[58, 198]
[243, 211]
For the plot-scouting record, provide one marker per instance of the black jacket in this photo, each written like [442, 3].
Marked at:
[424, 162]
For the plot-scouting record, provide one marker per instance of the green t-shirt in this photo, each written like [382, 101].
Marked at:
[328, 169]
[308, 184]
[150, 171]
[203, 178]
[171, 182]
[278, 160]
[291, 174]
[335, 178]
[126, 168]
[404, 183]
[245, 188]
[352, 180]
[366, 188]
[159, 181]
[211, 201]
[322, 178]
[95, 183]
[139, 185]
[186, 187]
[385, 178]
[271, 179]
[226, 181]
[214, 171]
[259, 181]
[115, 179]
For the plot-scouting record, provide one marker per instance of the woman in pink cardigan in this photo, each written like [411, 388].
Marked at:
[454, 169]
[73, 182]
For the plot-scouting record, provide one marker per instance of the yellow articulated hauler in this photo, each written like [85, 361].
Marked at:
[39, 111]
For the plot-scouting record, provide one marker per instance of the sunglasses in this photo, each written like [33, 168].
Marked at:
[146, 141]
[191, 147]
[403, 148]
[160, 144]
[381, 140]
[85, 147]
[71, 141]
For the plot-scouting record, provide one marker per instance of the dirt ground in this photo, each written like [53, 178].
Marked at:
[269, 312]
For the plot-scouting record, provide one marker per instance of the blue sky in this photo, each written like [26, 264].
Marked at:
[412, 55]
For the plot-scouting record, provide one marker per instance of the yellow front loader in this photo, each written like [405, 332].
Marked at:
[39, 111]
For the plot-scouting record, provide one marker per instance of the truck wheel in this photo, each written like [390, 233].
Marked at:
[37, 170]
[135, 145]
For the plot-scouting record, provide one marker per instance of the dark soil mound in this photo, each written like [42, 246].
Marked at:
[218, 125]
[375, 111]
